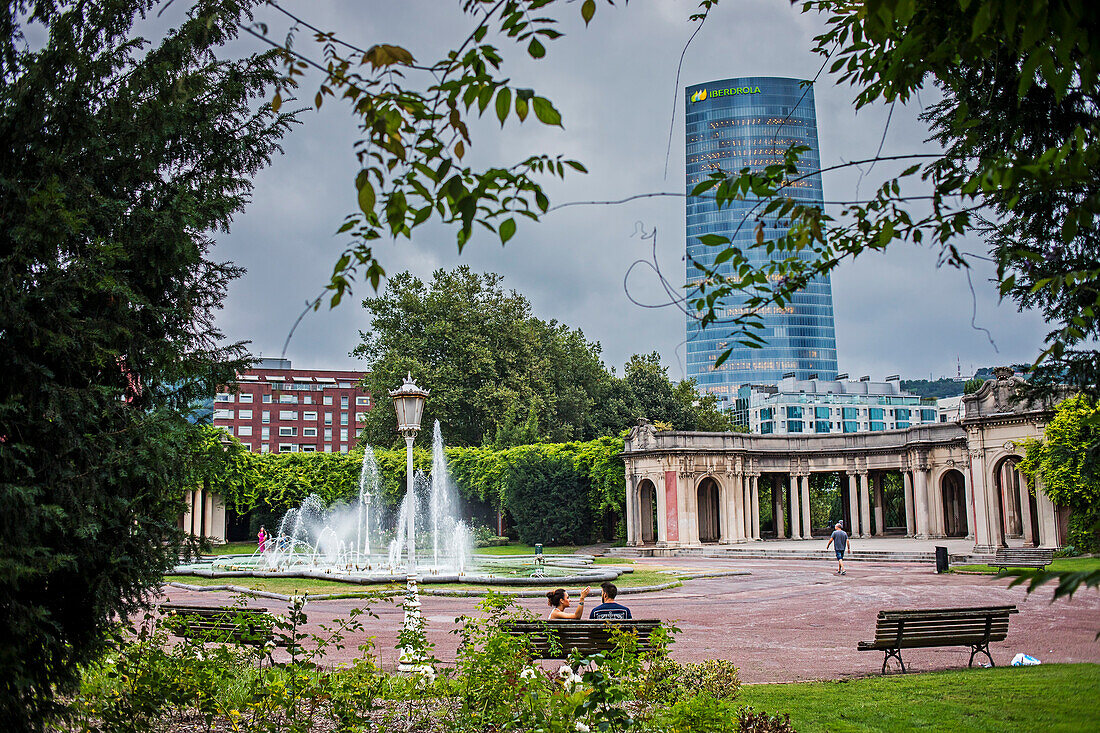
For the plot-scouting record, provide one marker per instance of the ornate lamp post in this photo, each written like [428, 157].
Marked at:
[408, 402]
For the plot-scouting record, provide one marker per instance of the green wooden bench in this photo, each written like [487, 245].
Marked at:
[240, 625]
[1023, 557]
[557, 639]
[970, 627]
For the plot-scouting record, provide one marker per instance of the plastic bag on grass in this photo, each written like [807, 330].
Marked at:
[1024, 660]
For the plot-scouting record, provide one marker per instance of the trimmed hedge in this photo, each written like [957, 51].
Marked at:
[591, 470]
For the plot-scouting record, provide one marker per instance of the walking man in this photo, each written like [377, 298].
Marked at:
[839, 541]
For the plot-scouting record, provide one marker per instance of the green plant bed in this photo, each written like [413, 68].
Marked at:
[1050, 697]
[286, 586]
[518, 548]
[633, 579]
[233, 548]
[1059, 564]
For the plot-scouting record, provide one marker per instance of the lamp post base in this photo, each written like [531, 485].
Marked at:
[412, 659]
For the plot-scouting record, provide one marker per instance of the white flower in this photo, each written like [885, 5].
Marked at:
[582, 728]
[565, 672]
[572, 681]
[528, 673]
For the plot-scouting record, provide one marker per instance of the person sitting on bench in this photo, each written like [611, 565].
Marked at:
[609, 609]
[559, 601]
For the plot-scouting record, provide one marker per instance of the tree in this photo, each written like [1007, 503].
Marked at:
[548, 498]
[1018, 123]
[120, 158]
[483, 355]
[678, 404]
[1066, 464]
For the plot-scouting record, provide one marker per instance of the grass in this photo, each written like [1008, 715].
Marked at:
[518, 548]
[234, 548]
[1054, 697]
[1059, 564]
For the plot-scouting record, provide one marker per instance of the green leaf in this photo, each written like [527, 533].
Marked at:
[536, 49]
[545, 111]
[588, 10]
[504, 104]
[507, 230]
[366, 196]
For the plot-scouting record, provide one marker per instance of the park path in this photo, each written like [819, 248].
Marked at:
[786, 621]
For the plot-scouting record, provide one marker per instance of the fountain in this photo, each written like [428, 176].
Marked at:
[355, 543]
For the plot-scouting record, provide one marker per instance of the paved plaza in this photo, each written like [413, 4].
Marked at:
[787, 620]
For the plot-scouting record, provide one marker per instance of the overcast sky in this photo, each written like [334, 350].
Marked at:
[615, 85]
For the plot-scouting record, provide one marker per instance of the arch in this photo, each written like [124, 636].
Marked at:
[953, 493]
[1016, 506]
[647, 501]
[709, 510]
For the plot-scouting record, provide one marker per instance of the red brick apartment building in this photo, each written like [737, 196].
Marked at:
[277, 409]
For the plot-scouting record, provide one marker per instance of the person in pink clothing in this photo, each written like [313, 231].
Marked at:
[261, 538]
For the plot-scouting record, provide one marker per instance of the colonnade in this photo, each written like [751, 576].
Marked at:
[203, 515]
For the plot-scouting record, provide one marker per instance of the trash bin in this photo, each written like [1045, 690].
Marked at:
[538, 548]
[941, 559]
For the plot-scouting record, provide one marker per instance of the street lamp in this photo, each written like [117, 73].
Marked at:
[408, 403]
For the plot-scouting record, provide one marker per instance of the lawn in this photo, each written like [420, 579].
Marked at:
[1059, 564]
[518, 548]
[1054, 697]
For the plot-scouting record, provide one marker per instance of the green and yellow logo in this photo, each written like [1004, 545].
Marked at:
[702, 94]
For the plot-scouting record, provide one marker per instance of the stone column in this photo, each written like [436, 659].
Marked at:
[807, 532]
[208, 515]
[746, 493]
[920, 498]
[777, 507]
[936, 525]
[196, 513]
[864, 506]
[1048, 524]
[660, 496]
[986, 538]
[731, 509]
[188, 500]
[880, 506]
[1025, 510]
[910, 517]
[796, 515]
[756, 507]
[688, 509]
[853, 507]
[631, 510]
[968, 497]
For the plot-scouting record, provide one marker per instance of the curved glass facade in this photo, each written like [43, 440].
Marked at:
[750, 122]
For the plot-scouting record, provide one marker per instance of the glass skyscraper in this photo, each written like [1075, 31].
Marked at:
[733, 124]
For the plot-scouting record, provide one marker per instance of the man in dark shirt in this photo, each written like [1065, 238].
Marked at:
[609, 609]
[839, 541]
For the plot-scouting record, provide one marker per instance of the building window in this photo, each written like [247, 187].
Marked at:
[902, 414]
[328, 433]
[902, 425]
[327, 399]
[822, 413]
[875, 413]
[360, 417]
[346, 385]
[794, 411]
[343, 418]
[344, 435]
[365, 401]
[246, 397]
[245, 430]
[309, 432]
[265, 416]
[288, 448]
[288, 399]
[328, 447]
[850, 426]
[308, 400]
[288, 430]
[822, 426]
[876, 426]
[288, 414]
[244, 414]
[850, 413]
[223, 414]
[328, 418]
[309, 416]
[228, 429]
[766, 414]
[343, 449]
[928, 415]
[247, 447]
[266, 398]
[767, 427]
[344, 401]
[265, 448]
[223, 397]
[265, 432]
[306, 448]
[794, 426]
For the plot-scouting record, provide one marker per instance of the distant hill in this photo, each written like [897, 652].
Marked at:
[939, 388]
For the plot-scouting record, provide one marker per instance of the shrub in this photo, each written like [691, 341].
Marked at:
[750, 721]
[548, 499]
[698, 714]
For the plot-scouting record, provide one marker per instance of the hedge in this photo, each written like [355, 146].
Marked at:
[276, 482]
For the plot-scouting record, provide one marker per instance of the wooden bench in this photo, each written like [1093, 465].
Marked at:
[236, 624]
[1023, 557]
[972, 627]
[557, 639]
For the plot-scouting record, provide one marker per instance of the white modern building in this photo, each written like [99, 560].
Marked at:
[812, 406]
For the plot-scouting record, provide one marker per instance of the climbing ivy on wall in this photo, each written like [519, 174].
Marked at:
[276, 482]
